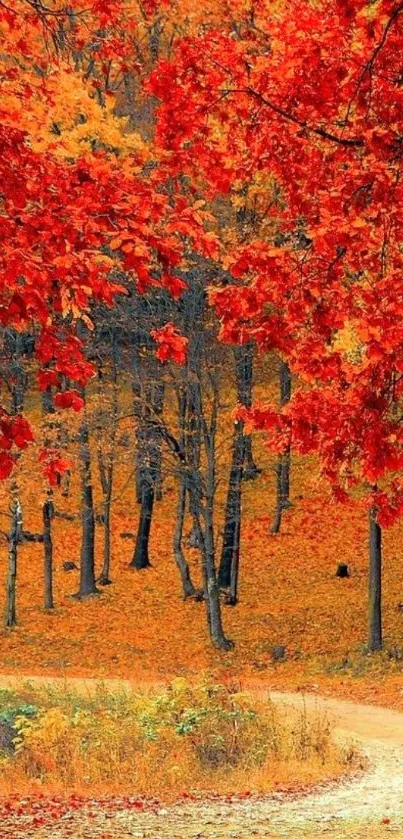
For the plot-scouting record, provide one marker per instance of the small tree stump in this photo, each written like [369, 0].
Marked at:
[69, 566]
[278, 653]
[342, 570]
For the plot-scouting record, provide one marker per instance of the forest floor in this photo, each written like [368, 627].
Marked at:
[140, 632]
[366, 806]
[140, 629]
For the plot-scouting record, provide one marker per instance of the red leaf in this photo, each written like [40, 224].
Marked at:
[69, 399]
[172, 346]
[6, 465]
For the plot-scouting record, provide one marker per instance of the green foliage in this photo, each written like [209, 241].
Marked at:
[12, 708]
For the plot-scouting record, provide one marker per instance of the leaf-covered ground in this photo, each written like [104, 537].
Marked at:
[139, 628]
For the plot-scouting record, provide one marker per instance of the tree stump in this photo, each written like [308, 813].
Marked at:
[278, 653]
[70, 566]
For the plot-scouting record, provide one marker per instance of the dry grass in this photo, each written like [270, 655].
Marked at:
[196, 739]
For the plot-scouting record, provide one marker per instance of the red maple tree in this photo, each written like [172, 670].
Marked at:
[307, 99]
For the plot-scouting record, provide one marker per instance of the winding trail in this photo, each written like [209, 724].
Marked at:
[360, 807]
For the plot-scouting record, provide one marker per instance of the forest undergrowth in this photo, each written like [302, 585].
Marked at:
[186, 740]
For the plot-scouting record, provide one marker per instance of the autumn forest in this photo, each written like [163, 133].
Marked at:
[201, 416]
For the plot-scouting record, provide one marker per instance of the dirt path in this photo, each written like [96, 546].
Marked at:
[358, 808]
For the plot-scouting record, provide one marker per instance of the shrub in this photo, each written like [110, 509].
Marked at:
[205, 737]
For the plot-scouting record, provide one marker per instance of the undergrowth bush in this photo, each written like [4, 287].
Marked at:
[208, 738]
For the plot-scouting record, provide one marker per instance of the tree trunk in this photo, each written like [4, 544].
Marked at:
[147, 479]
[200, 436]
[243, 467]
[48, 512]
[232, 598]
[138, 473]
[187, 585]
[148, 447]
[104, 578]
[284, 459]
[13, 540]
[48, 405]
[137, 482]
[106, 462]
[140, 557]
[87, 564]
[205, 507]
[16, 379]
[149, 396]
[375, 583]
[155, 395]
[148, 459]
[229, 564]
[285, 396]
[138, 410]
[280, 506]
[212, 592]
[250, 471]
[192, 437]
[244, 355]
[66, 477]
